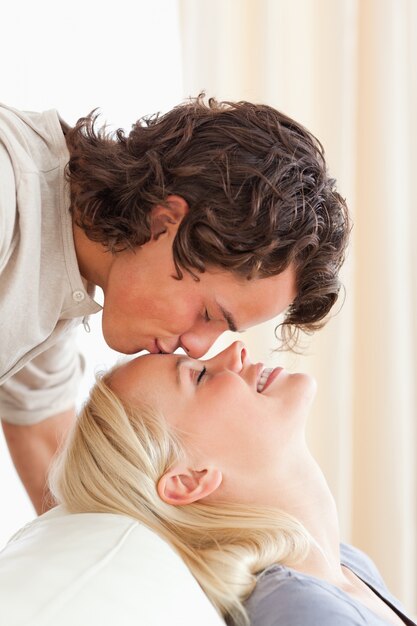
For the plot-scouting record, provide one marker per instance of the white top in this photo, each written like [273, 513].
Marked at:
[42, 294]
[97, 569]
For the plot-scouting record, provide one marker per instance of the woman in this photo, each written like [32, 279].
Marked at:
[212, 457]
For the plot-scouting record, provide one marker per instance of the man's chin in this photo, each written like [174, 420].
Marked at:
[123, 349]
[121, 344]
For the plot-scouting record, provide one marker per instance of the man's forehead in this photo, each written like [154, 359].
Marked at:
[260, 299]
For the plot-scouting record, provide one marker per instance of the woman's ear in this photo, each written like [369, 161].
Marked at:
[168, 217]
[182, 486]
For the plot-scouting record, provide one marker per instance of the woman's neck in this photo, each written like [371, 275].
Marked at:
[309, 499]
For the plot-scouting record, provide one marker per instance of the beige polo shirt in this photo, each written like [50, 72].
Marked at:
[42, 294]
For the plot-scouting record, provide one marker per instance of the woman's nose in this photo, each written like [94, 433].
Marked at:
[232, 358]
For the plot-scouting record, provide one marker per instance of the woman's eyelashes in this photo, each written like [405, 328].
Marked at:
[201, 374]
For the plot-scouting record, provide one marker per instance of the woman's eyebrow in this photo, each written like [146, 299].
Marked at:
[178, 364]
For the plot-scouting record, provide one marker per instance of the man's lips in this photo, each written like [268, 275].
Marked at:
[154, 349]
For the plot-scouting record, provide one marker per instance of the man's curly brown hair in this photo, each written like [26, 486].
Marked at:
[256, 184]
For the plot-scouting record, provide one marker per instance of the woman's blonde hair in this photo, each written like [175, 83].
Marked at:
[112, 463]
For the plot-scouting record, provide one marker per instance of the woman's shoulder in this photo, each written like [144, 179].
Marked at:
[284, 596]
[361, 564]
[365, 568]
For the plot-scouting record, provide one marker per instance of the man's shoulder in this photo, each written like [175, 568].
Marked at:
[7, 206]
[34, 140]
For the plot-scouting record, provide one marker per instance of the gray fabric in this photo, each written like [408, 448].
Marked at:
[284, 597]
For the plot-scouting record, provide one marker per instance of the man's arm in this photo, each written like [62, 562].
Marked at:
[32, 449]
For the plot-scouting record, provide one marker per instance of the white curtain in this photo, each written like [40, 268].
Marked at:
[348, 71]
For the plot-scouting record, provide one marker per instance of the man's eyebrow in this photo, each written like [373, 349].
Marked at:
[180, 361]
[231, 322]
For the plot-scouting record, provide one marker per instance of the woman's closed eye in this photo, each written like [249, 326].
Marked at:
[201, 375]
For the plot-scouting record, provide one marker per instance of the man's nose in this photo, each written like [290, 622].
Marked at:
[197, 344]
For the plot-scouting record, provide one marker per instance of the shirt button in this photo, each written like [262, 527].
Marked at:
[78, 295]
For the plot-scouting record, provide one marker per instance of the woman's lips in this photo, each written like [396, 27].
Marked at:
[273, 375]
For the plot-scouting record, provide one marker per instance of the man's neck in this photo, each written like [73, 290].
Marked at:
[94, 260]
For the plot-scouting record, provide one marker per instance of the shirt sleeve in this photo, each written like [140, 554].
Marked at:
[45, 386]
[299, 602]
[7, 205]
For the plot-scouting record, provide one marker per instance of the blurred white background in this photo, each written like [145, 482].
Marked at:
[347, 69]
[92, 54]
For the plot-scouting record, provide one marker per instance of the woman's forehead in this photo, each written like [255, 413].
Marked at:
[140, 374]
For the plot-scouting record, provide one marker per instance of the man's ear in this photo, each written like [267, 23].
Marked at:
[182, 486]
[164, 218]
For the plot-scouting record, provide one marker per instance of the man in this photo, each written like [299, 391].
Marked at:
[214, 216]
